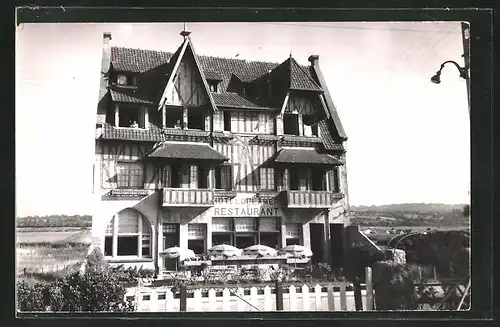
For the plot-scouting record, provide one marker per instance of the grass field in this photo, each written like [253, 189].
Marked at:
[50, 250]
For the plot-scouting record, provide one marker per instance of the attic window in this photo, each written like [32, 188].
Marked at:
[213, 85]
[121, 79]
[125, 80]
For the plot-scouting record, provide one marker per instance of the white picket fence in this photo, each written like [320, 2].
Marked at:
[332, 297]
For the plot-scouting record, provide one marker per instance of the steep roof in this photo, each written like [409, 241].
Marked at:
[137, 60]
[141, 61]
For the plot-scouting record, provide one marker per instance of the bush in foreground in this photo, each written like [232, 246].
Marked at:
[97, 289]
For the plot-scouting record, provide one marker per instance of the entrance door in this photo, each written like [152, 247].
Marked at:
[317, 232]
[336, 244]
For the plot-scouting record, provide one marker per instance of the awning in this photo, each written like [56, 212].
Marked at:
[187, 151]
[305, 156]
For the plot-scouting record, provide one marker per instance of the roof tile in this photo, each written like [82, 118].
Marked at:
[234, 100]
[153, 134]
[187, 151]
[128, 95]
[305, 156]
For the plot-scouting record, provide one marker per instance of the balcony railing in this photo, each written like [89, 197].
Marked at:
[121, 193]
[175, 197]
[309, 199]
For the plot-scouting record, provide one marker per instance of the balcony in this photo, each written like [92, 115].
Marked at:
[129, 194]
[176, 197]
[309, 199]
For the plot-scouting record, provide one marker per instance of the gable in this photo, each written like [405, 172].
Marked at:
[187, 87]
[303, 103]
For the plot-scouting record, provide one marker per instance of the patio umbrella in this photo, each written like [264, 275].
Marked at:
[260, 249]
[177, 252]
[224, 249]
[296, 251]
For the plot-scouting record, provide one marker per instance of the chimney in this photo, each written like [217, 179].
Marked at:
[104, 77]
[313, 59]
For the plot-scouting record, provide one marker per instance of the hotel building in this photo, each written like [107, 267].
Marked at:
[194, 151]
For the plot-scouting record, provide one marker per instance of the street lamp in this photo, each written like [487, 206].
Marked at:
[437, 78]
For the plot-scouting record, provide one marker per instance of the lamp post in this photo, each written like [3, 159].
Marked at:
[464, 71]
[436, 79]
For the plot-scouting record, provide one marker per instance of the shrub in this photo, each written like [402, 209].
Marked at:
[97, 289]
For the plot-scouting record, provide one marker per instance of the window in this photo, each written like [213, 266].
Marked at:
[318, 180]
[267, 179]
[170, 239]
[173, 117]
[162, 296]
[245, 122]
[130, 117]
[227, 120]
[121, 79]
[146, 297]
[130, 175]
[196, 237]
[170, 235]
[293, 232]
[223, 178]
[294, 178]
[244, 232]
[213, 86]
[299, 179]
[181, 175]
[291, 124]
[196, 118]
[269, 232]
[131, 233]
[336, 179]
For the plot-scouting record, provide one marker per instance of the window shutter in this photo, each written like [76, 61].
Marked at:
[194, 176]
[166, 176]
[218, 121]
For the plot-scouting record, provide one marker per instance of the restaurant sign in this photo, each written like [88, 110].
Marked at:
[246, 207]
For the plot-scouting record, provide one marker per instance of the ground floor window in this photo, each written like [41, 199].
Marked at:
[293, 232]
[170, 235]
[244, 232]
[197, 234]
[128, 234]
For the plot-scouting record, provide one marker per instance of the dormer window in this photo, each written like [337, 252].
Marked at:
[213, 86]
[121, 79]
[126, 80]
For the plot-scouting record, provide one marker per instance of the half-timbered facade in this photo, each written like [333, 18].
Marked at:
[196, 151]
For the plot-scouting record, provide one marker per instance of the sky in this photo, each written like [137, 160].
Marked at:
[408, 139]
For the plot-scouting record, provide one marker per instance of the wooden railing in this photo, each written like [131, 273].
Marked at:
[309, 199]
[188, 197]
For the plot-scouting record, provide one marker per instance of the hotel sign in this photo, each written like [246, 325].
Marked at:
[246, 207]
